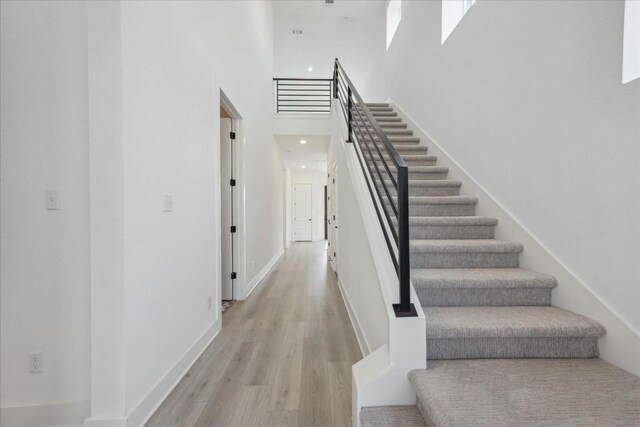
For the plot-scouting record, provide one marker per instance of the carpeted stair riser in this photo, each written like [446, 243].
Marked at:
[436, 232]
[398, 132]
[388, 119]
[422, 172]
[383, 125]
[463, 260]
[391, 416]
[473, 297]
[429, 188]
[413, 160]
[405, 150]
[393, 139]
[511, 348]
[416, 161]
[441, 209]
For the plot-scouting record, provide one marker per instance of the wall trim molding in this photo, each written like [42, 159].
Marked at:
[251, 285]
[149, 403]
[60, 413]
[363, 343]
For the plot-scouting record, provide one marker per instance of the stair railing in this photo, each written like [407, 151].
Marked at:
[387, 177]
[296, 95]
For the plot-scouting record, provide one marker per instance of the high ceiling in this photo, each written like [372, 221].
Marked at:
[312, 155]
[340, 8]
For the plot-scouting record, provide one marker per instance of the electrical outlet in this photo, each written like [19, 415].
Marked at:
[209, 303]
[35, 361]
[168, 203]
[52, 200]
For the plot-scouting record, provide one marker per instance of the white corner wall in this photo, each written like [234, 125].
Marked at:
[318, 180]
[45, 254]
[167, 63]
[526, 96]
[359, 43]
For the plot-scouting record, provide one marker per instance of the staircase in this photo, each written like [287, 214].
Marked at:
[499, 354]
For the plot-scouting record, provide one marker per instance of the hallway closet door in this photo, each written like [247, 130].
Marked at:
[302, 213]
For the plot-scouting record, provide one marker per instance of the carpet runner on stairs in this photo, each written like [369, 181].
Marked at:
[499, 354]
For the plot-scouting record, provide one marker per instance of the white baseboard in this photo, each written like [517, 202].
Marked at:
[365, 348]
[262, 273]
[621, 345]
[50, 414]
[110, 422]
[146, 406]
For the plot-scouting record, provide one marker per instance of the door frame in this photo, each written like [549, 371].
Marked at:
[238, 204]
[334, 245]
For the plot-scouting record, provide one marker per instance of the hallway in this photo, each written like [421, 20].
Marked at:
[283, 357]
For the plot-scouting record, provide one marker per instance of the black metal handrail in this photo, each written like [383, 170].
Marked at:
[296, 95]
[387, 177]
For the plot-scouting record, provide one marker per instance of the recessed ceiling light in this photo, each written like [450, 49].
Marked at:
[310, 69]
[303, 166]
[302, 141]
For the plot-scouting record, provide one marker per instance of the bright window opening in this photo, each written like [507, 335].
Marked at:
[394, 15]
[452, 13]
[631, 44]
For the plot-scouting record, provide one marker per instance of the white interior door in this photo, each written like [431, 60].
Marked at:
[226, 193]
[302, 213]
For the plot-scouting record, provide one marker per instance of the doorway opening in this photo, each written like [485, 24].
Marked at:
[232, 209]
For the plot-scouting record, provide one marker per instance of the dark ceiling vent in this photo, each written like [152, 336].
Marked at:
[328, 2]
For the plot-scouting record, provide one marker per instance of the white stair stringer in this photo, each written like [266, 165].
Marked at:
[381, 377]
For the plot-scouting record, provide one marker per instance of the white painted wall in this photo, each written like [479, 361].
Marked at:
[172, 76]
[45, 254]
[527, 97]
[167, 62]
[318, 180]
[359, 43]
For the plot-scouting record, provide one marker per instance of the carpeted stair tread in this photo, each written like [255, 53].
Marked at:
[377, 104]
[526, 392]
[508, 322]
[480, 277]
[391, 416]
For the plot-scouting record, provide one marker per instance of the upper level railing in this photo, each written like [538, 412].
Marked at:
[387, 177]
[305, 96]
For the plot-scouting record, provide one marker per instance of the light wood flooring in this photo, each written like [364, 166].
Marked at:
[283, 357]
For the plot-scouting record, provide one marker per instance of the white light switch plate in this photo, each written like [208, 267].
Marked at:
[168, 203]
[52, 200]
